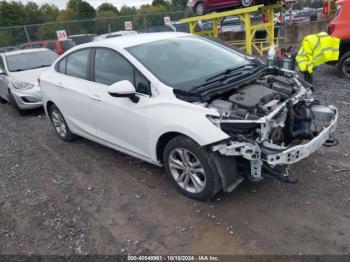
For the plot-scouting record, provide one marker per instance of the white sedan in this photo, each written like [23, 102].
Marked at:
[210, 115]
[19, 73]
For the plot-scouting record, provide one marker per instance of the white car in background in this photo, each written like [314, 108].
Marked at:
[19, 73]
[114, 34]
[211, 115]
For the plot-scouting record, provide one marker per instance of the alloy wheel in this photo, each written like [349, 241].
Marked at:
[200, 10]
[246, 3]
[187, 170]
[59, 123]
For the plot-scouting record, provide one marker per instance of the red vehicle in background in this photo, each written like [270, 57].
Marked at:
[201, 7]
[340, 27]
[58, 46]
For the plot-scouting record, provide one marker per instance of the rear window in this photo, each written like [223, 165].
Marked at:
[38, 45]
[66, 45]
[82, 39]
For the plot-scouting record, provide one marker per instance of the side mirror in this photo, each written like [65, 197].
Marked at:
[123, 89]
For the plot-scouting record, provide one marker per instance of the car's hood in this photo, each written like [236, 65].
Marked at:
[28, 76]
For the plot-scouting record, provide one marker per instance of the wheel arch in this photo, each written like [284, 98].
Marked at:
[163, 140]
[344, 47]
[48, 106]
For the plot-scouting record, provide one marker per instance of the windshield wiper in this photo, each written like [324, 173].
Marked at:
[228, 74]
[228, 71]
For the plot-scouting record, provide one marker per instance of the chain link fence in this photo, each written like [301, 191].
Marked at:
[17, 35]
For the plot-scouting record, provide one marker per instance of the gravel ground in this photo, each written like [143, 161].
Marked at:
[83, 198]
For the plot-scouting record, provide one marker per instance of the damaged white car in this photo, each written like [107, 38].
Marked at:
[207, 113]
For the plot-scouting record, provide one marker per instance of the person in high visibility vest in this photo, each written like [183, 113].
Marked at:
[316, 50]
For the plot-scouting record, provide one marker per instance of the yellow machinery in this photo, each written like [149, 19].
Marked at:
[245, 16]
[332, 8]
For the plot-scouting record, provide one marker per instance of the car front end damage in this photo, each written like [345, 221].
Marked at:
[273, 122]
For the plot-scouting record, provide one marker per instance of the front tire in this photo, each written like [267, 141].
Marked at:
[343, 66]
[60, 124]
[13, 102]
[191, 169]
[200, 9]
[247, 3]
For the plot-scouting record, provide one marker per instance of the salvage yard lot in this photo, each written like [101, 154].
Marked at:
[83, 198]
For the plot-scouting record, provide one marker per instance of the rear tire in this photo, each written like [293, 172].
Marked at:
[191, 169]
[60, 124]
[247, 3]
[13, 102]
[200, 9]
[343, 66]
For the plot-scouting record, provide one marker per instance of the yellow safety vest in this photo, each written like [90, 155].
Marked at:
[316, 50]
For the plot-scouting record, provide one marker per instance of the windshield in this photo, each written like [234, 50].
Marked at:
[186, 61]
[27, 61]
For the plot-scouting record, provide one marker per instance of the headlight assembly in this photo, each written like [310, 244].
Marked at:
[22, 85]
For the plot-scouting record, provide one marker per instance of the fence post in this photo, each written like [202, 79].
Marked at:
[26, 32]
[144, 22]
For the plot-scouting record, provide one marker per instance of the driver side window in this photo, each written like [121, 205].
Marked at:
[111, 67]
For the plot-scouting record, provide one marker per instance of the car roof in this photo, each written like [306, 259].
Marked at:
[135, 39]
[81, 35]
[24, 51]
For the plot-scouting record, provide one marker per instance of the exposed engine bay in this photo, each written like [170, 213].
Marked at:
[256, 100]
[272, 122]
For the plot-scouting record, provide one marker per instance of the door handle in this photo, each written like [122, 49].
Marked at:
[60, 85]
[96, 98]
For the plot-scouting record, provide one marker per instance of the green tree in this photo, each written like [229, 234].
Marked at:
[161, 2]
[179, 4]
[106, 20]
[107, 7]
[49, 12]
[48, 31]
[147, 16]
[78, 10]
[81, 9]
[33, 14]
[127, 11]
[11, 13]
[5, 38]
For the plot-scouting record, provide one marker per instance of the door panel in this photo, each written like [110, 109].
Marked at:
[73, 92]
[119, 121]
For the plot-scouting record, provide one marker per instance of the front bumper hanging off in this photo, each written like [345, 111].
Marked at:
[288, 156]
[271, 155]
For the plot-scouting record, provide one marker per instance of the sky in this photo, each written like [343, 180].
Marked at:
[95, 3]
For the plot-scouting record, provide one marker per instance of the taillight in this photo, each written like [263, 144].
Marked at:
[331, 28]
